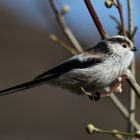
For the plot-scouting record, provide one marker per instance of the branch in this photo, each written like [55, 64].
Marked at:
[119, 7]
[67, 32]
[92, 129]
[133, 83]
[61, 43]
[96, 19]
[119, 26]
[132, 106]
[123, 110]
[118, 105]
[130, 20]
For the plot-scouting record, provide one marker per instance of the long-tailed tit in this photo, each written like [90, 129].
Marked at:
[94, 69]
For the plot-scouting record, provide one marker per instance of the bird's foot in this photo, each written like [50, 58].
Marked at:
[96, 96]
[116, 88]
[89, 94]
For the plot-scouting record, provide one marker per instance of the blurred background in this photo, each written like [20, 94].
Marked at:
[47, 112]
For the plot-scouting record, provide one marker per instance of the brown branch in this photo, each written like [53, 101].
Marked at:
[67, 32]
[96, 19]
[130, 21]
[119, 7]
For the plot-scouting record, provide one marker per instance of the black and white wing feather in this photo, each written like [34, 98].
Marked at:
[76, 62]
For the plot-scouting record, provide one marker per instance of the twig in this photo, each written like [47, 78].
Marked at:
[133, 83]
[115, 19]
[61, 43]
[123, 110]
[134, 32]
[92, 129]
[67, 32]
[132, 100]
[130, 20]
[119, 7]
[119, 106]
[118, 136]
[119, 26]
[96, 19]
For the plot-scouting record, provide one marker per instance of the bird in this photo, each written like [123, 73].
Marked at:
[94, 69]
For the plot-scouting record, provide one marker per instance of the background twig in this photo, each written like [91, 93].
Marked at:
[61, 43]
[67, 32]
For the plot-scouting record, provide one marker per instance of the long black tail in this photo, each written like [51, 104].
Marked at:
[24, 86]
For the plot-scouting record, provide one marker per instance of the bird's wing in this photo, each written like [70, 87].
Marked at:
[82, 60]
[89, 58]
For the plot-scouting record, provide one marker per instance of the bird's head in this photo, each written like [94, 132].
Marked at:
[120, 44]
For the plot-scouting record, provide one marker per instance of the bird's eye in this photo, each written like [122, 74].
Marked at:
[124, 45]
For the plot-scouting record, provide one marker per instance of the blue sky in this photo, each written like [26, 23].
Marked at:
[30, 13]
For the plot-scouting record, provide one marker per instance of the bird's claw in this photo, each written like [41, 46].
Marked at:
[117, 88]
[96, 96]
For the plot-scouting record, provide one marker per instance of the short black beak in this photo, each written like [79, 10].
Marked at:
[134, 49]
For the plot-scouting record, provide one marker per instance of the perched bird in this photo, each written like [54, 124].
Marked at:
[93, 69]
